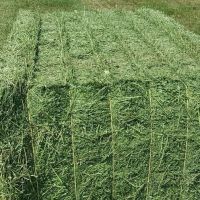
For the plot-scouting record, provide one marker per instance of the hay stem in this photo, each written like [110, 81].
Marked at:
[34, 152]
[61, 25]
[73, 147]
[150, 146]
[113, 147]
[186, 141]
[98, 59]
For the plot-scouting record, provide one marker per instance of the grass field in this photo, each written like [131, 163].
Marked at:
[99, 105]
[187, 12]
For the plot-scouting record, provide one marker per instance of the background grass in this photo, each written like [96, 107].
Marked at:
[186, 12]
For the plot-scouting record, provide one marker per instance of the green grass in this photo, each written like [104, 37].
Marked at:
[107, 107]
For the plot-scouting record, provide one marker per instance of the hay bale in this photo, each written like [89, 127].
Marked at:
[113, 108]
[17, 60]
[185, 40]
[49, 113]
[125, 102]
[92, 138]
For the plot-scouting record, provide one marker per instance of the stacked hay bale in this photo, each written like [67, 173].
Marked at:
[16, 63]
[49, 112]
[113, 107]
[126, 93]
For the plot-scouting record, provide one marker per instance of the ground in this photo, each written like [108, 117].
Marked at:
[186, 12]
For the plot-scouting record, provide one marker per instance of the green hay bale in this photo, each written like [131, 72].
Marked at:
[169, 119]
[49, 114]
[81, 52]
[154, 133]
[125, 105]
[185, 40]
[171, 60]
[17, 60]
[51, 68]
[91, 129]
[99, 46]
[136, 46]
[131, 128]
[49, 111]
[191, 171]
[178, 137]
